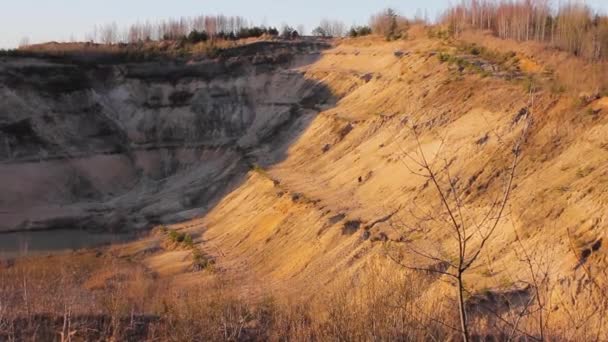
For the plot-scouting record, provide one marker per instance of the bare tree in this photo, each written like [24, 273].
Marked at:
[24, 42]
[217, 26]
[332, 28]
[389, 24]
[109, 33]
[319, 32]
[574, 27]
[301, 30]
[469, 235]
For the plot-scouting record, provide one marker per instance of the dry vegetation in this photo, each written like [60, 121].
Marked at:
[201, 28]
[113, 294]
[574, 27]
[201, 36]
[95, 297]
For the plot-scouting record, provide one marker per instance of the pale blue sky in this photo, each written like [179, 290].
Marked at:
[45, 20]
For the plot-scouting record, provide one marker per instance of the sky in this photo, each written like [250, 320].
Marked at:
[47, 20]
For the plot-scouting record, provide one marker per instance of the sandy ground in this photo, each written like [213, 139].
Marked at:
[286, 226]
[331, 196]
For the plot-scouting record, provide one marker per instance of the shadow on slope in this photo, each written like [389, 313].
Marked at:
[128, 146]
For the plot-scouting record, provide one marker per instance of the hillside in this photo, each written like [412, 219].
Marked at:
[345, 190]
[123, 146]
[295, 169]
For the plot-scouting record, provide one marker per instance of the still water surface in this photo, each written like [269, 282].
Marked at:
[55, 241]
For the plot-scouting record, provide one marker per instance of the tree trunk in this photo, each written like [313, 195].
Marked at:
[462, 310]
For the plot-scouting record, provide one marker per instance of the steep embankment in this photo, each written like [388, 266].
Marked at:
[111, 145]
[339, 182]
[348, 187]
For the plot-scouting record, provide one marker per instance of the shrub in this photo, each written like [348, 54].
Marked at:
[319, 32]
[443, 57]
[201, 261]
[188, 241]
[273, 31]
[359, 31]
[438, 32]
[173, 235]
[492, 56]
[179, 237]
[197, 37]
[389, 24]
[289, 32]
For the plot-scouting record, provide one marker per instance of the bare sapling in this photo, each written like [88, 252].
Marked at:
[469, 235]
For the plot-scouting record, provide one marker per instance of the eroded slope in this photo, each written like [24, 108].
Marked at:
[347, 190]
[116, 145]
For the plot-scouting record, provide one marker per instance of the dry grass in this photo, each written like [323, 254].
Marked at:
[558, 71]
[101, 297]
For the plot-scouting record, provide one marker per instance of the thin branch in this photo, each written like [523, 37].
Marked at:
[420, 269]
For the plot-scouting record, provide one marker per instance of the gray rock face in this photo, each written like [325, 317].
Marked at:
[129, 145]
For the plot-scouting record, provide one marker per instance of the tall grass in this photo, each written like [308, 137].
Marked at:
[112, 298]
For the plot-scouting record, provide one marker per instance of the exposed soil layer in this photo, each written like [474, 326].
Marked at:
[122, 146]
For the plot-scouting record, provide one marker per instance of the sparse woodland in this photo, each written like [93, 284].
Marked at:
[573, 26]
[213, 27]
